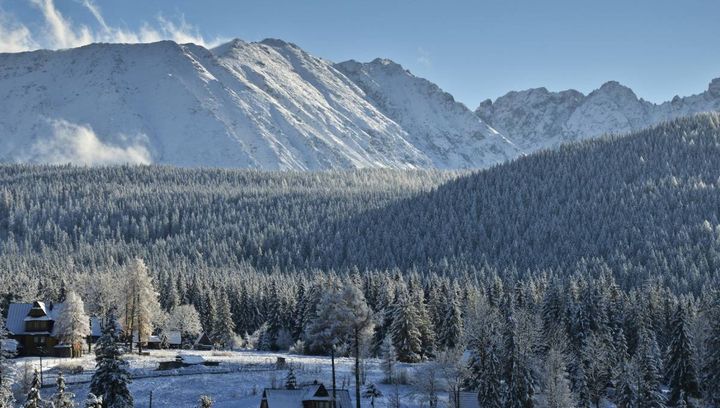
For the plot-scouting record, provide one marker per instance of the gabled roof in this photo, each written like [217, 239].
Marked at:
[281, 398]
[18, 315]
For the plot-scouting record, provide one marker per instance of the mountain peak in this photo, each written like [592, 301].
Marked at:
[714, 87]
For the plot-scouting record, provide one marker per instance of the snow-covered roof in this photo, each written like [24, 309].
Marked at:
[281, 398]
[190, 358]
[174, 338]
[18, 314]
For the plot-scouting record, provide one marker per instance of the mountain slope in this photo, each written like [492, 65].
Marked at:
[266, 105]
[441, 127]
[638, 205]
[537, 118]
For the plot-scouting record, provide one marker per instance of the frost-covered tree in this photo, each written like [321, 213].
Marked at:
[93, 401]
[372, 392]
[33, 398]
[142, 307]
[452, 324]
[681, 369]
[388, 359]
[73, 324]
[405, 330]
[62, 398]
[290, 379]
[427, 383]
[711, 365]
[206, 402]
[649, 368]
[223, 327]
[186, 320]
[557, 380]
[6, 395]
[627, 388]
[111, 378]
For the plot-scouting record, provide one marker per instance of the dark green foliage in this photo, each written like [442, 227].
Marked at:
[111, 377]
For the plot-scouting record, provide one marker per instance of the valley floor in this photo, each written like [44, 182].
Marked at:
[238, 382]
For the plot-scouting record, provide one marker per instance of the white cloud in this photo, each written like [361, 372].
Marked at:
[14, 37]
[78, 144]
[60, 32]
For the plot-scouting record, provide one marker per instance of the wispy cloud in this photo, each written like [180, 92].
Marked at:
[424, 57]
[78, 144]
[59, 31]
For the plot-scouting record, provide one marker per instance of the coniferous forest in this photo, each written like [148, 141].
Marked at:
[586, 273]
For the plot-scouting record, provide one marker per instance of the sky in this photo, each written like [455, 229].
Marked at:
[472, 49]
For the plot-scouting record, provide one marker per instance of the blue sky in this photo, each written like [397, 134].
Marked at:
[472, 49]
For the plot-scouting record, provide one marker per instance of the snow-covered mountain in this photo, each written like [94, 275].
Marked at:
[263, 105]
[538, 118]
[436, 123]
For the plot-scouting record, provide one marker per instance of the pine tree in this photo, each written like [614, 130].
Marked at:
[111, 378]
[223, 326]
[73, 325]
[6, 396]
[206, 402]
[519, 375]
[711, 366]
[627, 389]
[681, 370]
[33, 399]
[452, 333]
[485, 364]
[649, 364]
[557, 381]
[405, 331]
[372, 392]
[290, 380]
[62, 399]
[93, 401]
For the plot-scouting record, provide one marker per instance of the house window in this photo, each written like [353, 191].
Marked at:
[39, 340]
[36, 325]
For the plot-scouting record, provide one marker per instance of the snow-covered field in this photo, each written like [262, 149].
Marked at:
[237, 382]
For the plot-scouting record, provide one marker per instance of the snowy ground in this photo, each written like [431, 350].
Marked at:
[251, 372]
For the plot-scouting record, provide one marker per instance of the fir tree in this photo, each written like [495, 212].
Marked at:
[681, 370]
[33, 399]
[452, 333]
[6, 396]
[372, 392]
[223, 327]
[648, 357]
[557, 382]
[290, 380]
[93, 401]
[206, 402]
[485, 364]
[62, 399]
[111, 378]
[405, 331]
[711, 366]
[627, 389]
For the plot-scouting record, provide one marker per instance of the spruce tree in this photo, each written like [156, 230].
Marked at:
[291, 380]
[484, 366]
[627, 389]
[405, 331]
[681, 370]
[111, 378]
[223, 326]
[711, 366]
[61, 398]
[6, 396]
[33, 399]
[452, 333]
[518, 370]
[93, 401]
[649, 364]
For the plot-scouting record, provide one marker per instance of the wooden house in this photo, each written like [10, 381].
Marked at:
[32, 325]
[306, 396]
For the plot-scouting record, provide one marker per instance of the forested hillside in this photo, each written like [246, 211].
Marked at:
[639, 206]
[568, 272]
